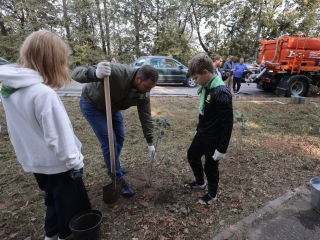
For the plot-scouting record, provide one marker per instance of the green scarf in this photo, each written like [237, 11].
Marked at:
[6, 91]
[214, 82]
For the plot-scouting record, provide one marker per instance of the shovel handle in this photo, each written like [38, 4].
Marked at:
[110, 129]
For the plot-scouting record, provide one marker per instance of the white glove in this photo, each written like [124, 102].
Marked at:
[103, 70]
[218, 155]
[151, 150]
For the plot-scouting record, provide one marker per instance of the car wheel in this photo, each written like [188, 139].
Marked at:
[297, 87]
[190, 82]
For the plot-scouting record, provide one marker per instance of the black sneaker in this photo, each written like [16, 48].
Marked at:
[207, 199]
[194, 185]
[127, 191]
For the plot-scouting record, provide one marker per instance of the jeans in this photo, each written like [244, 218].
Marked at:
[98, 122]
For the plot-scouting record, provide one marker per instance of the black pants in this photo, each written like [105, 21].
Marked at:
[238, 82]
[203, 146]
[64, 198]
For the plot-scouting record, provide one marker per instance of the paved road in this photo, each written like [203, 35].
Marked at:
[74, 90]
[290, 217]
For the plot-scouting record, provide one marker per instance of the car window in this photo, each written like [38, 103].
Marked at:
[157, 62]
[170, 63]
[140, 62]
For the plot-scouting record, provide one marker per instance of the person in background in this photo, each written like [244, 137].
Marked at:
[113, 60]
[217, 63]
[214, 130]
[227, 68]
[238, 71]
[40, 129]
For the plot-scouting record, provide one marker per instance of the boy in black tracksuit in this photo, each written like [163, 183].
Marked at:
[214, 128]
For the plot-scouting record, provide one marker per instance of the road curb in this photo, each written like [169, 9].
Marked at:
[78, 94]
[270, 207]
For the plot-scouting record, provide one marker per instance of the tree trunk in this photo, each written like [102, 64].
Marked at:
[198, 30]
[258, 33]
[137, 26]
[107, 23]
[66, 19]
[3, 30]
[101, 27]
[157, 17]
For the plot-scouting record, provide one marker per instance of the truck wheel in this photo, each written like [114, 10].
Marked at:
[267, 88]
[297, 87]
[190, 82]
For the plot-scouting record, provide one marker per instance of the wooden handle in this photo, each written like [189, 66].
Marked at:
[110, 129]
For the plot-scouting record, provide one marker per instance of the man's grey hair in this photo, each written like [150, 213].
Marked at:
[241, 59]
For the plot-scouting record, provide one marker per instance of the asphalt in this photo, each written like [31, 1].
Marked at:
[170, 90]
[290, 217]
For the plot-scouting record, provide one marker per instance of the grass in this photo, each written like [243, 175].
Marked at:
[279, 152]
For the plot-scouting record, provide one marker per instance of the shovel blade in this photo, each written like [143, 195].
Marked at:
[111, 194]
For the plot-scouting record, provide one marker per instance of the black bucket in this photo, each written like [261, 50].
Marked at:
[86, 225]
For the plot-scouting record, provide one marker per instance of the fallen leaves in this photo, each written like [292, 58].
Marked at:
[13, 235]
[267, 165]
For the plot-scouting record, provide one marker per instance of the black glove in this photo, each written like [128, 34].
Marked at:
[76, 173]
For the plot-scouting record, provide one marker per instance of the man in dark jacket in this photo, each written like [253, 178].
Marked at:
[128, 87]
[214, 128]
[217, 63]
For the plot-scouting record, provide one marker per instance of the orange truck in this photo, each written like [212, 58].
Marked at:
[288, 65]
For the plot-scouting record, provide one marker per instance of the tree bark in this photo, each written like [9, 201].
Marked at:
[137, 26]
[258, 33]
[103, 41]
[198, 29]
[66, 20]
[107, 23]
[3, 30]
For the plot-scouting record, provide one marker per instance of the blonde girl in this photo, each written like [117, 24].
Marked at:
[40, 129]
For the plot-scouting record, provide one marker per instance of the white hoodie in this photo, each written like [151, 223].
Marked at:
[38, 124]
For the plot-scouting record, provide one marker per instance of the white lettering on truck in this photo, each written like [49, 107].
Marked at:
[291, 53]
[314, 55]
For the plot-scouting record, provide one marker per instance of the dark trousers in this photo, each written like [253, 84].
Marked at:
[203, 146]
[64, 199]
[238, 82]
[98, 122]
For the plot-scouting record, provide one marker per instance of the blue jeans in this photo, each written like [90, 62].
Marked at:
[98, 122]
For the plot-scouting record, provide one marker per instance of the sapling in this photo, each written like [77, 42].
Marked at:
[241, 124]
[160, 125]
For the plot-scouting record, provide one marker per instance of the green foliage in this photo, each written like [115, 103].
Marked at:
[241, 122]
[170, 43]
[86, 55]
[160, 125]
[172, 28]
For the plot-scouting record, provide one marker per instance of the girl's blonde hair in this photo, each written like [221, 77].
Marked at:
[46, 53]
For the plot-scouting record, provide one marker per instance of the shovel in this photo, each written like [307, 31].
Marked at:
[111, 191]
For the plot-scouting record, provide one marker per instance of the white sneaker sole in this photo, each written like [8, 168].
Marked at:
[200, 201]
[198, 187]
